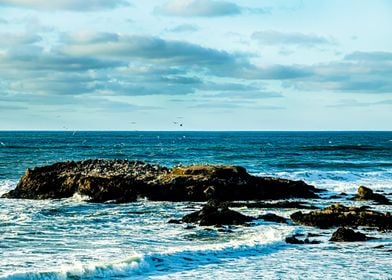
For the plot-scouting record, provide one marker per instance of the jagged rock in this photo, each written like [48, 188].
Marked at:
[295, 240]
[270, 217]
[216, 213]
[348, 235]
[124, 181]
[365, 193]
[338, 215]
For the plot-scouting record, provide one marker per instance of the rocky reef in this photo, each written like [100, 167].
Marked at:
[125, 181]
[340, 216]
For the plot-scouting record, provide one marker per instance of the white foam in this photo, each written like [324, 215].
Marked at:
[77, 197]
[132, 265]
[340, 181]
[255, 242]
[6, 186]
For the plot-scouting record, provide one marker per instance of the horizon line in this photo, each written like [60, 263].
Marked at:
[103, 130]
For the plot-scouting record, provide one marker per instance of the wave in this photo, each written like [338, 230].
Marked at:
[340, 181]
[172, 260]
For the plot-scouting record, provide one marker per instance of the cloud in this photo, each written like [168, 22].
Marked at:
[369, 56]
[272, 37]
[222, 105]
[71, 5]
[355, 103]
[119, 64]
[359, 72]
[3, 21]
[156, 50]
[12, 40]
[183, 28]
[198, 8]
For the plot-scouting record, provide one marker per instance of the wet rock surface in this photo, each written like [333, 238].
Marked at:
[338, 215]
[215, 213]
[125, 181]
[365, 193]
[348, 235]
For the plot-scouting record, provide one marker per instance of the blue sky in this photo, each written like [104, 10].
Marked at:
[208, 64]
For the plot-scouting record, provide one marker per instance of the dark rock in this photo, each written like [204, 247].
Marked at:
[365, 193]
[279, 204]
[307, 241]
[270, 217]
[216, 213]
[378, 247]
[174, 221]
[338, 215]
[294, 240]
[347, 235]
[124, 181]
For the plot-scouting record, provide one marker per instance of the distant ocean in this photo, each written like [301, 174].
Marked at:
[73, 239]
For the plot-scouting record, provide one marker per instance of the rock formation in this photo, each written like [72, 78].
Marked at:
[338, 215]
[124, 181]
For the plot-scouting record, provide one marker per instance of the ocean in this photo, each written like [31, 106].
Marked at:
[74, 239]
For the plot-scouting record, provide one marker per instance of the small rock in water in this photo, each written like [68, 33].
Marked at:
[348, 235]
[365, 193]
[216, 213]
[174, 221]
[270, 217]
[294, 240]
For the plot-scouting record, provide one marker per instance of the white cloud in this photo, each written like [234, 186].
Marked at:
[198, 8]
[73, 5]
[272, 37]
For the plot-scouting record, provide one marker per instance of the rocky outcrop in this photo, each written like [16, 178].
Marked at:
[348, 235]
[338, 215]
[216, 213]
[365, 193]
[124, 181]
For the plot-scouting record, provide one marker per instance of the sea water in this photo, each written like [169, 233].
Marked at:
[73, 239]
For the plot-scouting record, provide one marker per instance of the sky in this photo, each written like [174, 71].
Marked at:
[195, 65]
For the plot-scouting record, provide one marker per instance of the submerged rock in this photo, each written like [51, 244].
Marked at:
[348, 235]
[365, 193]
[338, 215]
[216, 213]
[124, 181]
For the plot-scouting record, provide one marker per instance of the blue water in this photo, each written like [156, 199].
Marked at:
[70, 238]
